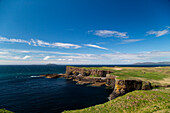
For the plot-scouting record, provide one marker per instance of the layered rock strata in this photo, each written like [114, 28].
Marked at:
[124, 86]
[86, 72]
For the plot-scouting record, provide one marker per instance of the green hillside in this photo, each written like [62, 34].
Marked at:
[157, 101]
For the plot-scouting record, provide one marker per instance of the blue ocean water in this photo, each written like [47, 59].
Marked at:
[23, 91]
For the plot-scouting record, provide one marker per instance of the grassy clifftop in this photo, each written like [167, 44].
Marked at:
[156, 75]
[157, 101]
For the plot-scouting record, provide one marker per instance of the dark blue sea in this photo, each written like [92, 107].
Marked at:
[23, 91]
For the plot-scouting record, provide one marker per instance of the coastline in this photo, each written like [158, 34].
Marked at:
[98, 77]
[118, 81]
[102, 77]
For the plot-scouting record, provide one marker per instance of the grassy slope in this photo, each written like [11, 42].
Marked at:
[134, 102]
[5, 111]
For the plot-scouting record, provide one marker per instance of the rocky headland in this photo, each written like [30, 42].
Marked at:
[98, 77]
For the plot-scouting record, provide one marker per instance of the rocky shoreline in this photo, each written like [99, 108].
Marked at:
[119, 87]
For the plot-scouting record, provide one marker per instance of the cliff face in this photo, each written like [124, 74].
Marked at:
[124, 86]
[86, 72]
[120, 87]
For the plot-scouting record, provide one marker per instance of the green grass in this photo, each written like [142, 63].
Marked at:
[150, 75]
[98, 68]
[5, 111]
[155, 75]
[134, 102]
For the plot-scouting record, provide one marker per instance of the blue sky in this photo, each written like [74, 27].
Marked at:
[84, 31]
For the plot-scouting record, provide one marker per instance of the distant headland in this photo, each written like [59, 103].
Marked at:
[152, 63]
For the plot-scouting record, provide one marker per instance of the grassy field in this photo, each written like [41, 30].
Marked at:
[156, 75]
[5, 111]
[155, 101]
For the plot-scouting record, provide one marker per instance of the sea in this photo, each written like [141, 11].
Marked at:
[23, 91]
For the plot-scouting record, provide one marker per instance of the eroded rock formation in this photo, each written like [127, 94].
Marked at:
[124, 86]
[86, 72]
[52, 75]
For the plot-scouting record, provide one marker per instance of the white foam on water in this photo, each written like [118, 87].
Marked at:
[34, 76]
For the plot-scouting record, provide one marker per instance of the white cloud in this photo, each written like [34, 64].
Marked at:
[130, 41]
[95, 46]
[26, 57]
[3, 39]
[109, 33]
[41, 43]
[82, 56]
[57, 44]
[65, 45]
[33, 42]
[3, 52]
[158, 33]
[16, 57]
[112, 58]
[32, 51]
[46, 58]
[61, 59]
[121, 58]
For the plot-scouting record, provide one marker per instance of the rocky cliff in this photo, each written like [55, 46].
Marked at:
[124, 86]
[120, 87]
[86, 72]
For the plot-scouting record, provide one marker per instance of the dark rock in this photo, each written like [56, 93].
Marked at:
[51, 75]
[110, 82]
[124, 86]
[146, 85]
[86, 72]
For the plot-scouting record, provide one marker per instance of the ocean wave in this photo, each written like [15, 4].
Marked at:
[34, 76]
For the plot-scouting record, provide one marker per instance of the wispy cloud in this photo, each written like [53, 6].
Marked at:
[16, 58]
[41, 43]
[109, 33]
[61, 59]
[7, 51]
[26, 57]
[158, 33]
[62, 45]
[130, 41]
[121, 57]
[3, 52]
[3, 39]
[21, 57]
[95, 46]
[46, 58]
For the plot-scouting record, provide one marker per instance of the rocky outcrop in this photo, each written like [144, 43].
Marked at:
[110, 82]
[94, 81]
[52, 75]
[124, 86]
[86, 72]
